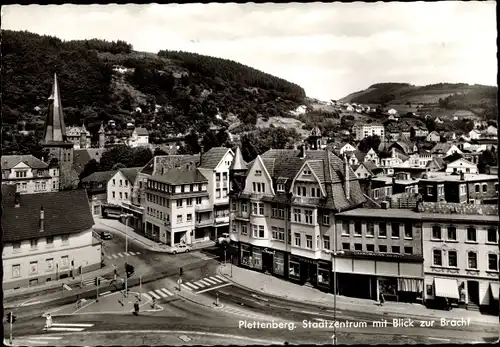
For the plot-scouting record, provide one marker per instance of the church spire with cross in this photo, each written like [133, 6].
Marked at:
[55, 130]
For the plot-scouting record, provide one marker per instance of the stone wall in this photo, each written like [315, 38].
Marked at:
[443, 207]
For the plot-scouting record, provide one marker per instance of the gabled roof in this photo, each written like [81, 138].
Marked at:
[131, 173]
[141, 131]
[161, 164]
[80, 158]
[9, 161]
[359, 155]
[213, 157]
[441, 147]
[238, 162]
[371, 167]
[436, 162]
[100, 176]
[181, 175]
[65, 212]
[462, 160]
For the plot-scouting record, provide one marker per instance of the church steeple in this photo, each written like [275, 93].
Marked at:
[83, 137]
[102, 136]
[55, 130]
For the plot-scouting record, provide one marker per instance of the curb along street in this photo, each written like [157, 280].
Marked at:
[349, 308]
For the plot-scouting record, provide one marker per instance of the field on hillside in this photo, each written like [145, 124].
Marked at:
[283, 122]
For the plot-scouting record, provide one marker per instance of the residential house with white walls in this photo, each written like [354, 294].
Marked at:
[283, 213]
[365, 130]
[347, 148]
[138, 138]
[461, 165]
[443, 149]
[47, 237]
[474, 134]
[433, 137]
[29, 174]
[120, 186]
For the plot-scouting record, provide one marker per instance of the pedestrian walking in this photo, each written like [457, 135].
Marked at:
[48, 322]
[382, 299]
[153, 305]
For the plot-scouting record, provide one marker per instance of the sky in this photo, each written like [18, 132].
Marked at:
[331, 50]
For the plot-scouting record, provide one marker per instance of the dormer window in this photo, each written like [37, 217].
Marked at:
[280, 188]
[258, 172]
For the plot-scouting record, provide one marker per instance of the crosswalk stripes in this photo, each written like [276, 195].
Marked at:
[122, 254]
[90, 281]
[69, 327]
[206, 284]
[158, 294]
[35, 340]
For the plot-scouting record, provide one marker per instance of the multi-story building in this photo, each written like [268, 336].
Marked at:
[211, 206]
[444, 149]
[462, 188]
[382, 254]
[358, 157]
[80, 137]
[29, 174]
[56, 142]
[177, 205]
[365, 130]
[461, 256]
[96, 186]
[283, 212]
[139, 137]
[46, 237]
[461, 165]
[120, 186]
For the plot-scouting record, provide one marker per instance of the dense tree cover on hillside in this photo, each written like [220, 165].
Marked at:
[118, 157]
[481, 100]
[192, 142]
[176, 91]
[262, 140]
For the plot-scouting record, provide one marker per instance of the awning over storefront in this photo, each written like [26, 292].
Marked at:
[410, 285]
[446, 288]
[494, 287]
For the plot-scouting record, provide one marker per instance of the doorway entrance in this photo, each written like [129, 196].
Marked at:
[473, 291]
[267, 262]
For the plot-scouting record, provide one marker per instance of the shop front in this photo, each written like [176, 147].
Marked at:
[324, 275]
[303, 270]
[263, 259]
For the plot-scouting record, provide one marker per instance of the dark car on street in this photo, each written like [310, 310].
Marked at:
[105, 235]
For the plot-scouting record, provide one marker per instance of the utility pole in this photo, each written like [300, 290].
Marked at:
[126, 216]
[231, 266]
[81, 276]
[97, 289]
[140, 288]
[10, 323]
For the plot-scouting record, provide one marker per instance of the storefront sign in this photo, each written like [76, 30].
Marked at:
[269, 251]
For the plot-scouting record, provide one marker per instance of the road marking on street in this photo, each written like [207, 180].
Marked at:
[65, 329]
[105, 293]
[213, 288]
[108, 294]
[131, 253]
[163, 295]
[198, 283]
[209, 281]
[120, 254]
[126, 253]
[147, 296]
[137, 253]
[114, 256]
[216, 279]
[67, 287]
[245, 313]
[72, 325]
[220, 277]
[167, 292]
[47, 337]
[185, 287]
[109, 257]
[438, 339]
[192, 286]
[205, 283]
[153, 294]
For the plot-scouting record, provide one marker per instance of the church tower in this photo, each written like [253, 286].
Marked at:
[237, 173]
[54, 139]
[102, 136]
[315, 139]
[83, 137]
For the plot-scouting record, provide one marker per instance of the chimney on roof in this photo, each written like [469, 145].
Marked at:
[302, 151]
[393, 152]
[347, 178]
[202, 150]
[42, 219]
[17, 200]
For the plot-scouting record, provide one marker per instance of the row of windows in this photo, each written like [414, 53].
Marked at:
[258, 187]
[315, 192]
[49, 266]
[224, 176]
[437, 234]
[162, 201]
[22, 174]
[165, 216]
[121, 183]
[346, 246]
[49, 240]
[471, 259]
[477, 187]
[382, 229]
[113, 194]
[186, 188]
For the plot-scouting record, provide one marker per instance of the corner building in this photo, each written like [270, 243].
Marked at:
[283, 207]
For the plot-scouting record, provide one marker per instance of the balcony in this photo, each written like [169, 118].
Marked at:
[203, 208]
[221, 220]
[200, 223]
[302, 200]
[242, 215]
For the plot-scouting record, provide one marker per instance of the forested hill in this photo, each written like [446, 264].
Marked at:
[479, 99]
[101, 81]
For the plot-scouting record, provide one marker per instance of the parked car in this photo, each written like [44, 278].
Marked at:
[224, 238]
[105, 235]
[180, 248]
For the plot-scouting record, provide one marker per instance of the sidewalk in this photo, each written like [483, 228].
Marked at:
[147, 243]
[273, 286]
[53, 286]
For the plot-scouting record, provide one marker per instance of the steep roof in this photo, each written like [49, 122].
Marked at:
[9, 161]
[55, 130]
[238, 162]
[65, 212]
[161, 164]
[360, 155]
[181, 175]
[329, 169]
[141, 131]
[441, 147]
[100, 176]
[212, 158]
[438, 163]
[131, 173]
[80, 158]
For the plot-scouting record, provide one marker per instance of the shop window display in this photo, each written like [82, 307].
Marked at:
[279, 263]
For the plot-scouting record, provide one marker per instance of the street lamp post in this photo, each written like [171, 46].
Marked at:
[334, 263]
[126, 216]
